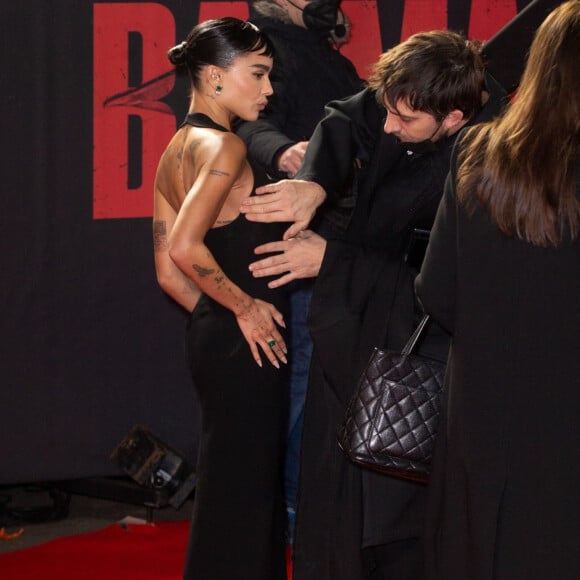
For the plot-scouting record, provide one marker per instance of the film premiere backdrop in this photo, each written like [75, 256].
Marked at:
[90, 345]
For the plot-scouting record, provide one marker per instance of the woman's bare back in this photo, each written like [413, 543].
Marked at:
[189, 150]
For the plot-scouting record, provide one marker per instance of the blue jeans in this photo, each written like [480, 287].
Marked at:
[300, 354]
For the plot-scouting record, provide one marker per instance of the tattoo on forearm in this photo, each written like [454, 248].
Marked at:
[159, 236]
[218, 173]
[201, 271]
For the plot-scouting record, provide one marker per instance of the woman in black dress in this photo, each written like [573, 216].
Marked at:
[502, 274]
[235, 341]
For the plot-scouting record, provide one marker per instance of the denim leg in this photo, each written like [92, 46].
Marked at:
[301, 351]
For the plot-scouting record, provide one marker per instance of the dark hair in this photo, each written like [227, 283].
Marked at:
[522, 165]
[435, 72]
[218, 42]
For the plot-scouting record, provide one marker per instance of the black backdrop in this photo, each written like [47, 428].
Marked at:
[89, 344]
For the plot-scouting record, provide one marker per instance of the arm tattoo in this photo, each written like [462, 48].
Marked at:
[218, 173]
[201, 271]
[159, 236]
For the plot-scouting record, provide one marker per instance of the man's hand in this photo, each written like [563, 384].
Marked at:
[285, 201]
[300, 257]
[291, 159]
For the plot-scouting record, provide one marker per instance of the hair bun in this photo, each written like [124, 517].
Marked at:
[178, 54]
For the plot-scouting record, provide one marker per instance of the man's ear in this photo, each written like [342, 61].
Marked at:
[454, 121]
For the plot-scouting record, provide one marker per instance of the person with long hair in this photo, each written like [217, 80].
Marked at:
[235, 338]
[502, 275]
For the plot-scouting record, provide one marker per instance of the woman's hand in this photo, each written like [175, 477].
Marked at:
[258, 325]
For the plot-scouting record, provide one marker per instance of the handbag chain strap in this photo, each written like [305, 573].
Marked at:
[408, 348]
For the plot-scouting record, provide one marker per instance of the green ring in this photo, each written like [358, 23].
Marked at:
[271, 343]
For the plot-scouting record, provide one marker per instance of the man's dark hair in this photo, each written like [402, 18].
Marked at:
[434, 72]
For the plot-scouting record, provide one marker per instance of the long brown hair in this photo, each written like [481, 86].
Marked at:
[522, 166]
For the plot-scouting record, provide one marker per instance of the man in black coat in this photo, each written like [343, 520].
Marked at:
[308, 72]
[391, 143]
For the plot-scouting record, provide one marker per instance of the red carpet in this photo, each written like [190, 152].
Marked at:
[132, 552]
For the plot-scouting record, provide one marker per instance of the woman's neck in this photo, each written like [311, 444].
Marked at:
[206, 104]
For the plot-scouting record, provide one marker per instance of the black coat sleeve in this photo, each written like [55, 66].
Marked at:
[343, 139]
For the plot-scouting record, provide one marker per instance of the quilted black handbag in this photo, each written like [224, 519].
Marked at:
[391, 421]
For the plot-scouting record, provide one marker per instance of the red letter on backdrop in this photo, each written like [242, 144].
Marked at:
[364, 46]
[489, 16]
[116, 103]
[420, 16]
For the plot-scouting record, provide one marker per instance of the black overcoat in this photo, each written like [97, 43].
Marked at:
[363, 297]
[505, 492]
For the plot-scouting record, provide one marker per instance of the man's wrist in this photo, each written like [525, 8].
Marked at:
[320, 194]
[278, 156]
[316, 190]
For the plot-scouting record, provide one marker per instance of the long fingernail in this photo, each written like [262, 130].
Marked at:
[283, 359]
[276, 364]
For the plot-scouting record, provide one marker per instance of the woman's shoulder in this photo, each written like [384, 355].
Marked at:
[205, 143]
[193, 147]
[219, 143]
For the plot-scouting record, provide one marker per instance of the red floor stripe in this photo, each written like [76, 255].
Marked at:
[132, 552]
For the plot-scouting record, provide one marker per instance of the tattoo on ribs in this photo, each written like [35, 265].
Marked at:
[159, 236]
[218, 173]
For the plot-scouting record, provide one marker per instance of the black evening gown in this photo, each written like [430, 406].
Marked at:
[238, 517]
